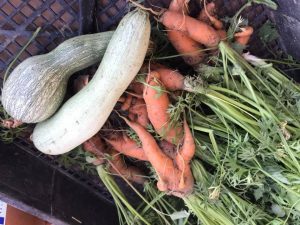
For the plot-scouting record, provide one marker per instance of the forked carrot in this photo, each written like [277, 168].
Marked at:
[197, 30]
[189, 49]
[171, 179]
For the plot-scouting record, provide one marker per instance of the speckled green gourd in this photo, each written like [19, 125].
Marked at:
[36, 87]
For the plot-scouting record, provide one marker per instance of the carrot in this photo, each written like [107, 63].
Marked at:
[244, 36]
[125, 145]
[204, 14]
[119, 167]
[171, 179]
[187, 151]
[197, 30]
[156, 157]
[171, 79]
[189, 49]
[157, 103]
[139, 112]
[126, 105]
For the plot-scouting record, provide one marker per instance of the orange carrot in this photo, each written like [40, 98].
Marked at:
[197, 30]
[125, 145]
[157, 103]
[171, 179]
[162, 163]
[189, 49]
[139, 111]
[119, 168]
[244, 36]
[171, 79]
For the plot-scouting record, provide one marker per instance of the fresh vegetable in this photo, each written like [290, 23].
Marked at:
[84, 114]
[36, 87]
[187, 47]
[157, 103]
[125, 145]
[197, 30]
[170, 179]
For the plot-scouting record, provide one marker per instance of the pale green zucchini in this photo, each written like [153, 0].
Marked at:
[36, 87]
[83, 115]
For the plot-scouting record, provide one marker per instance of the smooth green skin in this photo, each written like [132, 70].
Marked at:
[36, 87]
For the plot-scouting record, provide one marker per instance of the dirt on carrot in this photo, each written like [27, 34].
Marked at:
[125, 145]
[138, 112]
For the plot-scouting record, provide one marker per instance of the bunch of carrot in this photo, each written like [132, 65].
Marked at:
[190, 35]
